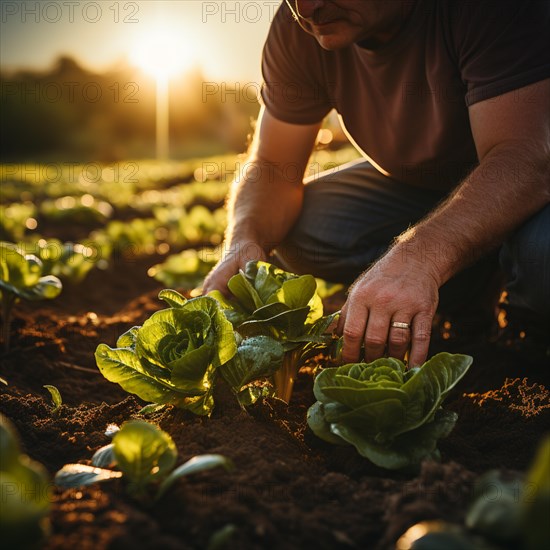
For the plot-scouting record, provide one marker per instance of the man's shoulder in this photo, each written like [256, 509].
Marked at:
[472, 15]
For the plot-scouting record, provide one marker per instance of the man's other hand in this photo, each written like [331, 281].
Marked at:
[232, 260]
[396, 289]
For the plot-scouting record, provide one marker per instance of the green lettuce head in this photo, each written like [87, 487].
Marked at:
[267, 296]
[21, 277]
[391, 415]
[173, 357]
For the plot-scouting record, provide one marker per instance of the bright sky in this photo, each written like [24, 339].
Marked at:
[224, 37]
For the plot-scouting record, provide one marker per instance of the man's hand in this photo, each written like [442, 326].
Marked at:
[233, 260]
[399, 289]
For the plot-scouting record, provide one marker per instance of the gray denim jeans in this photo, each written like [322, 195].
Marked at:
[351, 215]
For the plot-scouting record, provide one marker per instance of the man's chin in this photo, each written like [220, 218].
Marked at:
[331, 36]
[332, 42]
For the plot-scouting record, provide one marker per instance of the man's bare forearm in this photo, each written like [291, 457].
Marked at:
[266, 196]
[263, 205]
[510, 185]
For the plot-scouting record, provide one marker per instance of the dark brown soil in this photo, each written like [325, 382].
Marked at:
[289, 489]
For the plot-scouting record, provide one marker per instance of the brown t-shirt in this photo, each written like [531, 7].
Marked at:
[405, 104]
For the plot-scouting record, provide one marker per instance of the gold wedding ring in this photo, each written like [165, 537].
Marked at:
[397, 324]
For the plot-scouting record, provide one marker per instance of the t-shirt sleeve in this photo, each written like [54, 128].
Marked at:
[292, 88]
[501, 45]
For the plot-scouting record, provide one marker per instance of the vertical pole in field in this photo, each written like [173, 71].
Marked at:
[163, 128]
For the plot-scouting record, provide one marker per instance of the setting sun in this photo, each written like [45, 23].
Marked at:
[163, 52]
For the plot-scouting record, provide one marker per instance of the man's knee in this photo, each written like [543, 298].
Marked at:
[297, 259]
[525, 259]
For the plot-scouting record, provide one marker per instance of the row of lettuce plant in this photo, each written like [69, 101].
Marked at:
[73, 261]
[35, 270]
[139, 183]
[270, 326]
[122, 183]
[274, 323]
[138, 237]
[174, 226]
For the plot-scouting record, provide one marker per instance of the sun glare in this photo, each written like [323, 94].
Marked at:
[163, 53]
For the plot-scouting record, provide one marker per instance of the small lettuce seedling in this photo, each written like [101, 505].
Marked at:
[25, 493]
[21, 277]
[174, 356]
[57, 401]
[392, 415]
[145, 456]
[281, 307]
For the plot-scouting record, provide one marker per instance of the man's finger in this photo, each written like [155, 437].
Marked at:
[218, 278]
[342, 319]
[421, 331]
[376, 336]
[400, 337]
[353, 332]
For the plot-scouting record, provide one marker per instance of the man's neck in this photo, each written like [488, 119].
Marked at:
[381, 39]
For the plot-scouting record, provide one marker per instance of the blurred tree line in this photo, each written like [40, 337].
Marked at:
[70, 113]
